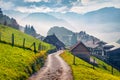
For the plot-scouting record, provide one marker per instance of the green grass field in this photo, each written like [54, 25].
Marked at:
[6, 35]
[17, 63]
[84, 71]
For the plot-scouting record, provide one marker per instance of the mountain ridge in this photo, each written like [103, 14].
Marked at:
[68, 37]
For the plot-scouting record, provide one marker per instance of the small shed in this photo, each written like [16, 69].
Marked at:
[81, 51]
[52, 39]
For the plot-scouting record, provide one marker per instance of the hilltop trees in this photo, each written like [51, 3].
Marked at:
[6, 20]
[30, 30]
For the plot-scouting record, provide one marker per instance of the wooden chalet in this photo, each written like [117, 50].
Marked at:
[52, 39]
[81, 51]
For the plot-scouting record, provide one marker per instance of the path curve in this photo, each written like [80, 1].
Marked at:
[55, 68]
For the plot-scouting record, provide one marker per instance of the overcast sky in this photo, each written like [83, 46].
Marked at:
[78, 6]
[63, 6]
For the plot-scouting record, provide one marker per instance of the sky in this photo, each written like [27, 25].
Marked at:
[63, 6]
[78, 6]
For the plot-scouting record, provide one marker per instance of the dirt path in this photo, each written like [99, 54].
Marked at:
[55, 69]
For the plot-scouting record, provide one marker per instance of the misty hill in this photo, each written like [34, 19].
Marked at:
[62, 33]
[43, 18]
[118, 41]
[107, 14]
[104, 15]
[106, 19]
[70, 38]
[52, 39]
[6, 20]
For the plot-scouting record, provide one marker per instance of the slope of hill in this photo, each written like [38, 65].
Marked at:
[62, 34]
[103, 15]
[6, 20]
[84, 71]
[105, 20]
[6, 34]
[17, 63]
[99, 16]
[66, 35]
[43, 18]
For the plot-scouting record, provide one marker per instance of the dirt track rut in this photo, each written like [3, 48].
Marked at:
[55, 68]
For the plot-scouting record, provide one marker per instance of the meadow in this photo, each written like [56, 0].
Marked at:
[6, 36]
[84, 71]
[16, 62]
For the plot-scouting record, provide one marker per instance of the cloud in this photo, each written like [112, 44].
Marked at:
[33, 9]
[35, 0]
[6, 5]
[77, 6]
[44, 9]
[61, 9]
[92, 5]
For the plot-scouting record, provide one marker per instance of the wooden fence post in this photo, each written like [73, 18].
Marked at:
[24, 43]
[73, 59]
[0, 36]
[39, 47]
[34, 47]
[12, 39]
[112, 68]
[94, 63]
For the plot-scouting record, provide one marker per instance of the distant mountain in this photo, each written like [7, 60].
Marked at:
[107, 14]
[118, 41]
[44, 21]
[6, 20]
[104, 15]
[106, 19]
[43, 18]
[62, 33]
[70, 38]
[52, 39]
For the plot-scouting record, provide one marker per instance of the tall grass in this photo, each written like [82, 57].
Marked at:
[6, 35]
[17, 63]
[84, 71]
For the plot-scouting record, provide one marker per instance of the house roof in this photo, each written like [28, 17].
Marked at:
[77, 45]
[52, 39]
[116, 46]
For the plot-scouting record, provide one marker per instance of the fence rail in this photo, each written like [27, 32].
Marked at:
[11, 41]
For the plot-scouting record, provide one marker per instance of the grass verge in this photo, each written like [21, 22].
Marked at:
[84, 71]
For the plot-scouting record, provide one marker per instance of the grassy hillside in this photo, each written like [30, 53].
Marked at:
[17, 63]
[84, 71]
[6, 35]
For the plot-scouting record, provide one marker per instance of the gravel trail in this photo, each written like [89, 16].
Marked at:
[55, 68]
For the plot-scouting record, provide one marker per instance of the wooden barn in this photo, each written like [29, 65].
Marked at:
[81, 51]
[52, 39]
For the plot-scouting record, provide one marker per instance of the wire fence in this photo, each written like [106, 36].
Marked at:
[24, 43]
